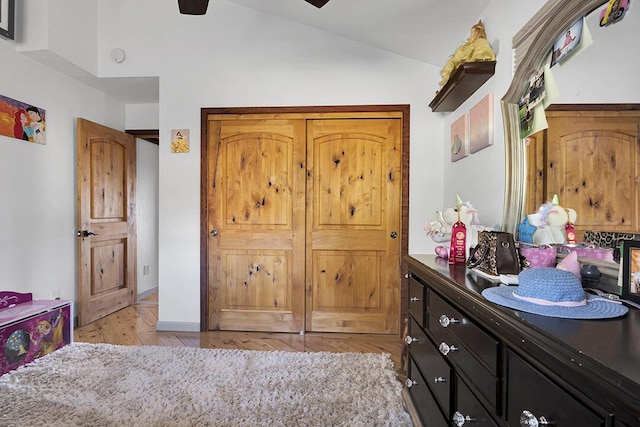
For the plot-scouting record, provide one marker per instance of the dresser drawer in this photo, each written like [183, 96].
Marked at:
[436, 371]
[417, 300]
[483, 346]
[423, 400]
[466, 363]
[530, 392]
[469, 409]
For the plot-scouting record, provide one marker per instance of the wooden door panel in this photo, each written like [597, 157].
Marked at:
[108, 189]
[349, 188]
[347, 280]
[256, 194]
[106, 210]
[353, 224]
[602, 186]
[108, 266]
[262, 278]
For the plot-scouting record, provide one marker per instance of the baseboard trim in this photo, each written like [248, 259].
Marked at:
[178, 326]
[143, 295]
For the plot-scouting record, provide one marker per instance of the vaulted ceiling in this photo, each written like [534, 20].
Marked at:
[426, 30]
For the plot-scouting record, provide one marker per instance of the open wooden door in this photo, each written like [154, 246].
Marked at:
[106, 221]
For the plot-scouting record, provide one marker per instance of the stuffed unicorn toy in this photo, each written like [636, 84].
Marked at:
[440, 229]
[550, 221]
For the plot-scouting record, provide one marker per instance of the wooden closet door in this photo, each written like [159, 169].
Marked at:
[256, 242]
[353, 225]
[592, 164]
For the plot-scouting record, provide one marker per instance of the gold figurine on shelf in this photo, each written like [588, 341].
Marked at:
[475, 49]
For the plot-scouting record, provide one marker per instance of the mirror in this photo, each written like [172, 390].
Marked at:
[531, 47]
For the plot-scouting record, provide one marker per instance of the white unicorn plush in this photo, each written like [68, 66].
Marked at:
[440, 229]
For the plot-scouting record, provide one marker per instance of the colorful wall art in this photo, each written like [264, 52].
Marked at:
[22, 121]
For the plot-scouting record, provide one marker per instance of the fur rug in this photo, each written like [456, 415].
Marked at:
[108, 385]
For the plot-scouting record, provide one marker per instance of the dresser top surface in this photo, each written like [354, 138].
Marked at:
[614, 344]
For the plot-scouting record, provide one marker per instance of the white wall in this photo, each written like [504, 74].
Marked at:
[38, 190]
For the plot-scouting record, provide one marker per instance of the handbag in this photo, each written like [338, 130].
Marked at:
[495, 254]
[538, 256]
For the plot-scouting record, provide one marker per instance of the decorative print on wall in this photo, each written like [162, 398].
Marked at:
[22, 121]
[7, 18]
[481, 124]
[179, 140]
[614, 12]
[459, 141]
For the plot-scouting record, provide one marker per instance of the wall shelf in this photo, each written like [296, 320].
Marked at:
[464, 81]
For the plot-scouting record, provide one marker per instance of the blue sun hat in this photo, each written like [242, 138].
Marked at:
[553, 292]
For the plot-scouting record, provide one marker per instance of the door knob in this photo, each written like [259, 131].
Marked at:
[85, 233]
[393, 234]
[214, 232]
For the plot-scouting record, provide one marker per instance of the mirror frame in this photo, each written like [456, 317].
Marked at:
[531, 47]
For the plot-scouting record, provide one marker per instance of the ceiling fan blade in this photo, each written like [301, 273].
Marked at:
[317, 3]
[193, 7]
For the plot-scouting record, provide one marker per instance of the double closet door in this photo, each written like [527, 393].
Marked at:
[304, 223]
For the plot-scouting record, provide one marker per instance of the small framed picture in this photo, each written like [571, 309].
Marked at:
[631, 270]
[7, 18]
[179, 140]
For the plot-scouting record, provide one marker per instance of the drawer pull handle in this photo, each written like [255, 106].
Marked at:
[459, 419]
[440, 380]
[409, 382]
[446, 321]
[414, 299]
[409, 339]
[527, 419]
[446, 348]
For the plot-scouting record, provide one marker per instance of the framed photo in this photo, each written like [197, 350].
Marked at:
[459, 140]
[481, 124]
[7, 18]
[567, 43]
[631, 270]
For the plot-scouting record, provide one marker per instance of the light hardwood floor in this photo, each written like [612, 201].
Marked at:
[136, 325]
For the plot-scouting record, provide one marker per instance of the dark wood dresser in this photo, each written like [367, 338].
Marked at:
[474, 363]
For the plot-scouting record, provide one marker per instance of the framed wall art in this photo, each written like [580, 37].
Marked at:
[481, 124]
[7, 18]
[631, 270]
[459, 140]
[179, 140]
[22, 121]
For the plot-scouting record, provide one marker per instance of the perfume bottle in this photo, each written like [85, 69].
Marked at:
[458, 250]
